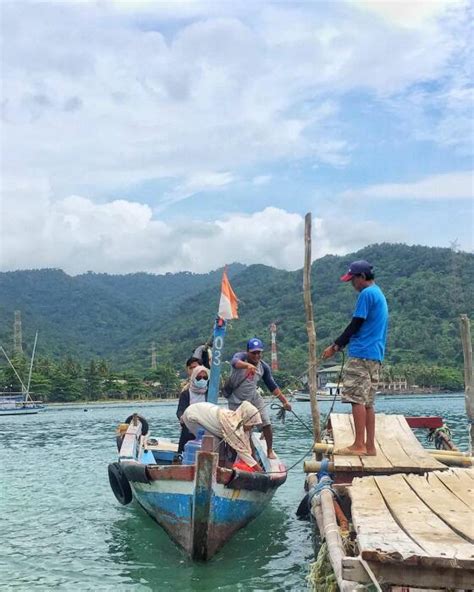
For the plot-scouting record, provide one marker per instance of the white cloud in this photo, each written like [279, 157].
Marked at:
[120, 236]
[458, 185]
[261, 180]
[408, 13]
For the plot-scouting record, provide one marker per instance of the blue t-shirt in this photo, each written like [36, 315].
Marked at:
[369, 341]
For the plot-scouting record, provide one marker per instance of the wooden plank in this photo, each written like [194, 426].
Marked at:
[413, 447]
[436, 578]
[387, 434]
[423, 526]
[458, 481]
[378, 535]
[455, 513]
[343, 434]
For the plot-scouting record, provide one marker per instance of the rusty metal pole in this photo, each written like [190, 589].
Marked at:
[310, 327]
[468, 376]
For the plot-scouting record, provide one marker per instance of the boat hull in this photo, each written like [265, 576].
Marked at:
[201, 506]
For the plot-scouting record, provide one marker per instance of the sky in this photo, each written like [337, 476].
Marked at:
[183, 135]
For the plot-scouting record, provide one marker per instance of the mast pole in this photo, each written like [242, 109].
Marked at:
[310, 328]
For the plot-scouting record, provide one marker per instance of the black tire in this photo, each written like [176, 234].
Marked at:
[119, 484]
[143, 421]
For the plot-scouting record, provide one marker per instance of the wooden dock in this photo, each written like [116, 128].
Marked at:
[398, 449]
[413, 529]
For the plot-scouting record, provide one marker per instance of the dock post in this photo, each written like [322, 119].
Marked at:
[310, 327]
[468, 376]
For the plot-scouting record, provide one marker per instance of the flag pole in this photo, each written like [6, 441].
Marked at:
[216, 364]
[228, 305]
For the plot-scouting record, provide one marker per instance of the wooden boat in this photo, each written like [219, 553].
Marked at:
[200, 505]
[199, 501]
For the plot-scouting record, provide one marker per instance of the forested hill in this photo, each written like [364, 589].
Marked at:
[118, 317]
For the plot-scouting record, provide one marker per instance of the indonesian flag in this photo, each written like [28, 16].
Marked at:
[228, 303]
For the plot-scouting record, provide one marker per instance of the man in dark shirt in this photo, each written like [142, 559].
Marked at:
[366, 335]
[247, 369]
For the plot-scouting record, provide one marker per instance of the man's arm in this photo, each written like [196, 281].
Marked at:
[344, 337]
[239, 361]
[272, 386]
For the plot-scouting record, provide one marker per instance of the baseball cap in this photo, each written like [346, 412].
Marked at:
[254, 344]
[356, 268]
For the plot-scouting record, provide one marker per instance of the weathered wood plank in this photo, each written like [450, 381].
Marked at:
[423, 526]
[378, 535]
[437, 578]
[409, 442]
[460, 484]
[444, 504]
[343, 434]
[387, 434]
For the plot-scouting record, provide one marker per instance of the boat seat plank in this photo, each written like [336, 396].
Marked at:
[421, 524]
[460, 484]
[379, 536]
[444, 504]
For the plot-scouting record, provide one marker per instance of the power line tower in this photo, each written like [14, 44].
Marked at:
[273, 330]
[17, 337]
[153, 356]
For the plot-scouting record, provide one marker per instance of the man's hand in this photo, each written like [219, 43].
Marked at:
[330, 351]
[286, 405]
[251, 369]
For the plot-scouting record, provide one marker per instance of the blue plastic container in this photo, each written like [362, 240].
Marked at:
[191, 448]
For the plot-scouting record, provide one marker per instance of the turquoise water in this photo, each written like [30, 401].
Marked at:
[62, 528]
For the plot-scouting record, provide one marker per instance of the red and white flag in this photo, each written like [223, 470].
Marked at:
[228, 303]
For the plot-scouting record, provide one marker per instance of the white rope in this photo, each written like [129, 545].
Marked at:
[370, 573]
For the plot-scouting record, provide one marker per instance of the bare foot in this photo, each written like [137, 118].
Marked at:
[351, 451]
[271, 454]
[371, 452]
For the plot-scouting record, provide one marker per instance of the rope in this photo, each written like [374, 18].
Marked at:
[370, 573]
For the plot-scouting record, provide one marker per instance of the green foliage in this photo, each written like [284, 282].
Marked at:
[94, 326]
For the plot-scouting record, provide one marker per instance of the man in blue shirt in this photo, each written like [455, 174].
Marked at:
[366, 335]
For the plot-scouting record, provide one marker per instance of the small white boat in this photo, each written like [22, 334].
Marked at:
[330, 392]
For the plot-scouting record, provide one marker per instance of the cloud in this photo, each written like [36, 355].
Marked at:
[407, 13]
[448, 186]
[119, 236]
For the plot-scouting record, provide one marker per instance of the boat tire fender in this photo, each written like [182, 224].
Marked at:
[119, 484]
[143, 421]
[136, 473]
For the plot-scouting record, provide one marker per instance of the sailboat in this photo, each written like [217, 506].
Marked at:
[203, 500]
[20, 402]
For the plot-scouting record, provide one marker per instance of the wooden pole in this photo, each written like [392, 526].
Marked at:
[468, 376]
[310, 328]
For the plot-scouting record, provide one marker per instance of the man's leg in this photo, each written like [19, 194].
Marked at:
[268, 433]
[360, 416]
[370, 429]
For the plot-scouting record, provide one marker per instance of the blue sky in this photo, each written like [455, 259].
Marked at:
[167, 136]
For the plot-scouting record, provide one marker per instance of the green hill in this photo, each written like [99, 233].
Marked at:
[116, 318]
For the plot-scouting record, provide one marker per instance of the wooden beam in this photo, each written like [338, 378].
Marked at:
[311, 330]
[438, 578]
[468, 375]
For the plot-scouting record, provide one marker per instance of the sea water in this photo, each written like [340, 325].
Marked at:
[62, 528]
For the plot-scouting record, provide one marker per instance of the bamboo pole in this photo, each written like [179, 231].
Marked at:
[468, 376]
[324, 448]
[325, 515]
[310, 328]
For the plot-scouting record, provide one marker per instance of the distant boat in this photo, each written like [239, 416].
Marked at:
[330, 392]
[20, 403]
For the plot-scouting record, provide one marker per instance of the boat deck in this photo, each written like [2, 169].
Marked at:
[416, 529]
[398, 449]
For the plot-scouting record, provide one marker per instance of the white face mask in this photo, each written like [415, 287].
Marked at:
[201, 383]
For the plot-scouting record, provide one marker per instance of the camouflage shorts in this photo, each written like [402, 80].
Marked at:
[361, 378]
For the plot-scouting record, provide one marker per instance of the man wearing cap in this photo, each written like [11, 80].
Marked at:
[366, 335]
[247, 369]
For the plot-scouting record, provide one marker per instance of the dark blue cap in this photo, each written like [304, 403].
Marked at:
[356, 268]
[254, 344]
